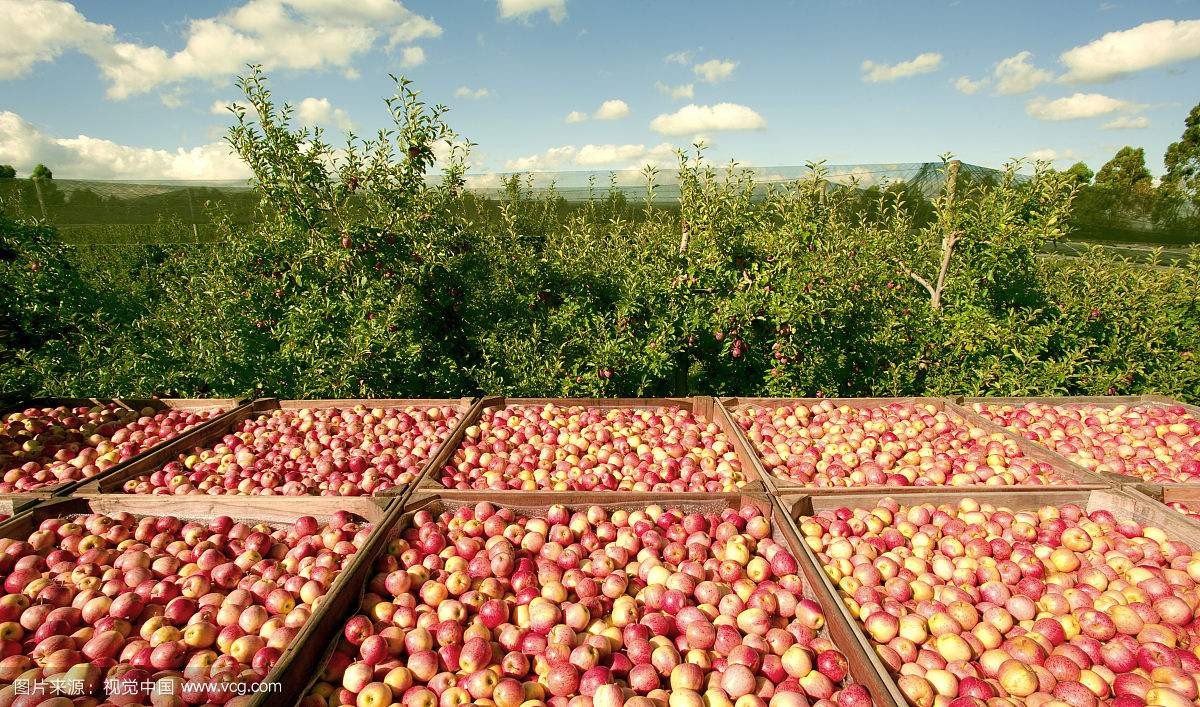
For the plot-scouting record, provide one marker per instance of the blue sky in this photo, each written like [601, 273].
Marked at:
[127, 89]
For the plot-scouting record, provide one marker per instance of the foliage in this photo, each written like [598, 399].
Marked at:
[7, 171]
[41, 171]
[1182, 160]
[360, 277]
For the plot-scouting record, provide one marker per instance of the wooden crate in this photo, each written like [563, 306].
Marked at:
[1074, 476]
[1122, 503]
[1172, 493]
[230, 405]
[1105, 401]
[701, 405]
[865, 666]
[274, 510]
[112, 483]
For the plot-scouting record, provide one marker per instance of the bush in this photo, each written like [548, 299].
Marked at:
[362, 278]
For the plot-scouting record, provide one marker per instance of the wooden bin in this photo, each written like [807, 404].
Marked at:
[865, 667]
[1123, 504]
[1075, 477]
[1104, 401]
[273, 510]
[112, 483]
[230, 405]
[1172, 493]
[702, 405]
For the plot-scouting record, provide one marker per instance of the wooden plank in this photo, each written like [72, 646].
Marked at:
[1074, 477]
[1125, 505]
[326, 614]
[702, 406]
[865, 667]
[114, 481]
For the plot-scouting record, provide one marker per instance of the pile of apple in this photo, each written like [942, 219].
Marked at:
[42, 447]
[898, 444]
[310, 452]
[160, 601]
[1156, 443]
[575, 448]
[587, 608]
[974, 604]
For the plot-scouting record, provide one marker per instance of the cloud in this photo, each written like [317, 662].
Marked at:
[1049, 154]
[83, 157]
[921, 64]
[631, 156]
[680, 92]
[319, 111]
[1146, 46]
[471, 93]
[412, 56]
[512, 9]
[220, 107]
[613, 109]
[682, 58]
[692, 119]
[1127, 122]
[964, 84]
[279, 34]
[41, 30]
[548, 160]
[1076, 107]
[714, 70]
[1016, 75]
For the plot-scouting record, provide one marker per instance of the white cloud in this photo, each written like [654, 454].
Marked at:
[714, 70]
[964, 84]
[472, 93]
[1049, 154]
[284, 34]
[85, 157]
[510, 9]
[1127, 122]
[680, 92]
[412, 56]
[595, 156]
[1075, 107]
[223, 107]
[351, 74]
[921, 64]
[1146, 46]
[32, 31]
[692, 119]
[1016, 75]
[612, 109]
[682, 58]
[548, 160]
[319, 111]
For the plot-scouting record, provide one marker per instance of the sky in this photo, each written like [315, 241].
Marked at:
[139, 89]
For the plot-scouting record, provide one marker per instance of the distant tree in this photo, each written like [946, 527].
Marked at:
[1081, 173]
[1125, 171]
[7, 171]
[1123, 187]
[41, 172]
[1182, 160]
